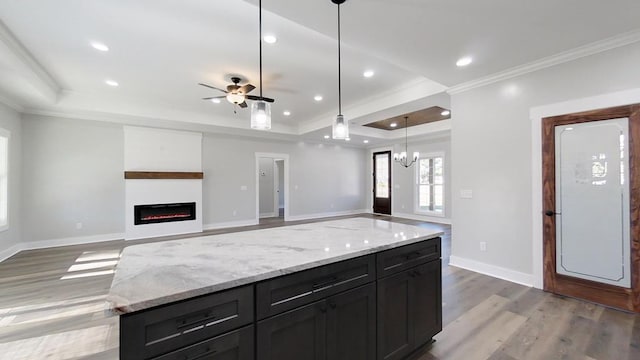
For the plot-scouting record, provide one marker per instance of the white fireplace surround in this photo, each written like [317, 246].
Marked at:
[159, 150]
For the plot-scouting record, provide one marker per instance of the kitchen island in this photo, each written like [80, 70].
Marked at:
[357, 288]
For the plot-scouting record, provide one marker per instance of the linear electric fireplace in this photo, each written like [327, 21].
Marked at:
[159, 213]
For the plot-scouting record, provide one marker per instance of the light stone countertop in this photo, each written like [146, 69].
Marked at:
[159, 273]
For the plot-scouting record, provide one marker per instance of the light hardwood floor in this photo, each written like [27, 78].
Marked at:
[44, 315]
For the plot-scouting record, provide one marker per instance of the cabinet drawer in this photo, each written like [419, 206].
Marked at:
[399, 259]
[236, 345]
[163, 329]
[290, 291]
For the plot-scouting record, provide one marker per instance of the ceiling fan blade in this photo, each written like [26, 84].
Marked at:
[245, 89]
[212, 87]
[258, 98]
[243, 104]
[214, 97]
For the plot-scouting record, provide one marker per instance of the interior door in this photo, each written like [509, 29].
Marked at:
[591, 204]
[382, 182]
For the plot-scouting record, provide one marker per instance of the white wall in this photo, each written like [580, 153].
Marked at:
[324, 179]
[10, 120]
[266, 179]
[72, 173]
[280, 178]
[405, 178]
[491, 148]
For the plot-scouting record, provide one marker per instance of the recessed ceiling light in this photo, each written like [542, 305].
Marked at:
[270, 39]
[111, 83]
[286, 113]
[368, 73]
[99, 46]
[365, 141]
[347, 139]
[326, 136]
[393, 124]
[464, 61]
[215, 101]
[445, 113]
[317, 98]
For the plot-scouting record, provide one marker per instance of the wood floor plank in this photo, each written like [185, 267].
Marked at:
[41, 314]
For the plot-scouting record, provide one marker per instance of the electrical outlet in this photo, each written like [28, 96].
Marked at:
[332, 206]
[243, 188]
[235, 213]
[78, 226]
[483, 246]
[403, 206]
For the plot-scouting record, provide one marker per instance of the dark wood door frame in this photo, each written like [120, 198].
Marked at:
[382, 206]
[611, 295]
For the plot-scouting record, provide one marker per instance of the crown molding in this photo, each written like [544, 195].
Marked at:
[12, 104]
[45, 81]
[563, 57]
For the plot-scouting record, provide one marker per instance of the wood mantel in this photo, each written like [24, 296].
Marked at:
[158, 175]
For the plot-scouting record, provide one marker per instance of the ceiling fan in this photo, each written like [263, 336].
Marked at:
[236, 94]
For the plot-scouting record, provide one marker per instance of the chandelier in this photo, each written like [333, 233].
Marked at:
[402, 157]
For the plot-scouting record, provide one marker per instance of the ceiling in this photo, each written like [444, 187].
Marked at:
[161, 49]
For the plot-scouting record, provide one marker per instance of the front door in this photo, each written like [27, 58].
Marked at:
[591, 205]
[382, 182]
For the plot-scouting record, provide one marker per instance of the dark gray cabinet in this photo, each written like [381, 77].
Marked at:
[409, 310]
[236, 345]
[160, 330]
[339, 327]
[378, 306]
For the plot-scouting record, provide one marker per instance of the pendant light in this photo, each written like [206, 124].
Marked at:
[340, 124]
[260, 109]
[402, 157]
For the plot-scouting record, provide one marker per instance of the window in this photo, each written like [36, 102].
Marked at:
[4, 179]
[430, 185]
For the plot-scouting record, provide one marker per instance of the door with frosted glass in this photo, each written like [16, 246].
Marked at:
[591, 205]
[382, 182]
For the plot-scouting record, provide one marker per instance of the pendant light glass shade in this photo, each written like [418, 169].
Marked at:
[340, 128]
[261, 115]
[340, 125]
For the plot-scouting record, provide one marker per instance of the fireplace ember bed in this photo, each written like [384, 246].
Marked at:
[159, 213]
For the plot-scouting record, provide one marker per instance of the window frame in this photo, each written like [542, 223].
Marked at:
[416, 185]
[4, 133]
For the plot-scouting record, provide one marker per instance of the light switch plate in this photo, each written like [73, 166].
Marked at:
[466, 194]
[243, 187]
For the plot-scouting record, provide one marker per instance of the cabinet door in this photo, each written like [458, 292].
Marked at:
[395, 320]
[426, 302]
[351, 324]
[236, 345]
[294, 335]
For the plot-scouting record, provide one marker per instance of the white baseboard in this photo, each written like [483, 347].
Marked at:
[9, 252]
[43, 244]
[433, 219]
[268, 215]
[230, 224]
[492, 270]
[324, 215]
[77, 240]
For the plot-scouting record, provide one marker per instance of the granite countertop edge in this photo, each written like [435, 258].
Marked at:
[116, 306]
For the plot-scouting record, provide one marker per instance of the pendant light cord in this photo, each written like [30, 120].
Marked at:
[260, 38]
[339, 68]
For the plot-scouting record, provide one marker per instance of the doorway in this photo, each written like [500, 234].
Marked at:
[591, 204]
[382, 182]
[272, 195]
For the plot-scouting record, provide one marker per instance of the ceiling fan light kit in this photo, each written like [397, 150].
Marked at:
[402, 156]
[340, 125]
